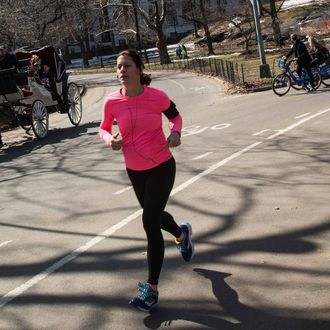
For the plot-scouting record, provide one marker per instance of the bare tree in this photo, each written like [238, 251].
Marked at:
[199, 13]
[27, 22]
[272, 11]
[154, 21]
[244, 25]
[78, 19]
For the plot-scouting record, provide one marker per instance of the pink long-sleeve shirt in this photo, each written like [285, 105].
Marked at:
[139, 120]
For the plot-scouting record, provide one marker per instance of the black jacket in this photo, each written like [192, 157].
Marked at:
[8, 61]
[300, 52]
[321, 53]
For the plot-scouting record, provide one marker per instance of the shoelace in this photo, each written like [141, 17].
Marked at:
[143, 289]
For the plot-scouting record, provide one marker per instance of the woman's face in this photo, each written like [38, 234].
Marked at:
[127, 71]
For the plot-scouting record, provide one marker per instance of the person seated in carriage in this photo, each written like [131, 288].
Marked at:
[7, 60]
[48, 68]
[49, 77]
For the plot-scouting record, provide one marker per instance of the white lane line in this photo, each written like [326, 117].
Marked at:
[197, 88]
[282, 131]
[4, 243]
[122, 190]
[212, 168]
[202, 156]
[263, 131]
[108, 232]
[177, 83]
[303, 115]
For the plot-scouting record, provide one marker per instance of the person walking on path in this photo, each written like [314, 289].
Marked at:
[137, 109]
[184, 52]
[179, 52]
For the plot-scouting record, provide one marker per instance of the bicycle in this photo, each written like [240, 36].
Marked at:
[325, 74]
[284, 81]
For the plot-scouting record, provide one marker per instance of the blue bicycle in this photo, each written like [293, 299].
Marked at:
[325, 74]
[288, 78]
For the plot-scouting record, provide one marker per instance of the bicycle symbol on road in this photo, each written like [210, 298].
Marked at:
[192, 130]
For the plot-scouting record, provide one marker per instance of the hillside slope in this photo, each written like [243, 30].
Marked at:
[303, 17]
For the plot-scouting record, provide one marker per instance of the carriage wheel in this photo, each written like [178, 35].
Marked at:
[23, 118]
[26, 127]
[75, 104]
[39, 119]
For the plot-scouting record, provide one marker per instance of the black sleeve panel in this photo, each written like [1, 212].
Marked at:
[171, 112]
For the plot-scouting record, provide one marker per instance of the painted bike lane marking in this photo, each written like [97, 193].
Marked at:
[202, 156]
[303, 115]
[4, 243]
[282, 131]
[121, 191]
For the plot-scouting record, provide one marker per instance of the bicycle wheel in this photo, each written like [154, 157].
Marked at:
[326, 81]
[294, 85]
[325, 74]
[281, 84]
[317, 79]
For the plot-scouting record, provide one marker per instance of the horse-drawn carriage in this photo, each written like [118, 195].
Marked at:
[27, 99]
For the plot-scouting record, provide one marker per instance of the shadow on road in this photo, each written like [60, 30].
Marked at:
[248, 318]
[30, 144]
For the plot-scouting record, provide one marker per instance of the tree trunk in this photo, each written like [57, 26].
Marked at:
[206, 28]
[162, 47]
[246, 45]
[275, 24]
[84, 54]
[208, 39]
[88, 46]
[66, 53]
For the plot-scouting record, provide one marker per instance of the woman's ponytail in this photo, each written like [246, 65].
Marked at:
[145, 79]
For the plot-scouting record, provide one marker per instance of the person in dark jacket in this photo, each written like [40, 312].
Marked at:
[302, 57]
[7, 60]
[318, 51]
[48, 78]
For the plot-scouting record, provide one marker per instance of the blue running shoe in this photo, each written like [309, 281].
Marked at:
[147, 298]
[186, 247]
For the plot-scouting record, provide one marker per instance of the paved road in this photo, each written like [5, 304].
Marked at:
[252, 178]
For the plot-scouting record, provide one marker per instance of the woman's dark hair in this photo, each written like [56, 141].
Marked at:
[293, 37]
[145, 79]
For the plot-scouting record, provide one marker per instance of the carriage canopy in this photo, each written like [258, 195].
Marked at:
[47, 55]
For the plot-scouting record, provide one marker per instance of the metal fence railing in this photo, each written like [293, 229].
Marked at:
[227, 70]
[234, 72]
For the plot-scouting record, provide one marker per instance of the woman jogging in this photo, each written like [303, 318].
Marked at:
[138, 110]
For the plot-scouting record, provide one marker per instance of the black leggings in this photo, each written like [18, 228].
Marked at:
[152, 188]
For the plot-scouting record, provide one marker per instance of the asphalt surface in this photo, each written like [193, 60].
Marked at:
[252, 179]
